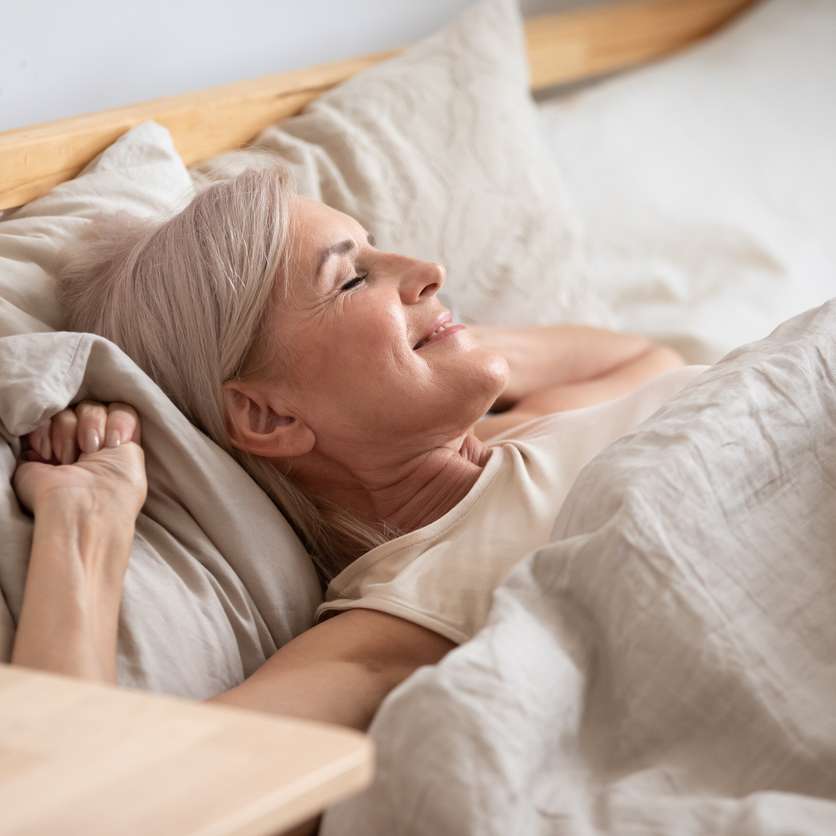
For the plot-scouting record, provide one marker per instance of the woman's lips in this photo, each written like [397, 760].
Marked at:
[440, 335]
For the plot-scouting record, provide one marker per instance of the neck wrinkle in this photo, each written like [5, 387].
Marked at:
[439, 493]
[409, 496]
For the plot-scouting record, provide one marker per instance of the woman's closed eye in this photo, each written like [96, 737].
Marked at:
[352, 283]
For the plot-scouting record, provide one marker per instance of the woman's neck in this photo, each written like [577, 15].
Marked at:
[403, 494]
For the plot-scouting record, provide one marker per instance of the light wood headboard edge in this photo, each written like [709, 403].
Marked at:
[564, 47]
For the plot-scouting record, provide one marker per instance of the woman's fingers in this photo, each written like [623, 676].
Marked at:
[39, 441]
[92, 423]
[122, 425]
[86, 427]
[63, 436]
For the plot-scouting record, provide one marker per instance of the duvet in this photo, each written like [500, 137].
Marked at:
[667, 664]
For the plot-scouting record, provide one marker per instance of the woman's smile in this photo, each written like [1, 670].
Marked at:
[445, 330]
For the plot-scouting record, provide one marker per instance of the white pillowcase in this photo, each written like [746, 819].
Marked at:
[438, 153]
[217, 579]
[140, 173]
[706, 181]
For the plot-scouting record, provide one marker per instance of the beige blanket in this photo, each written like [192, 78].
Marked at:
[668, 664]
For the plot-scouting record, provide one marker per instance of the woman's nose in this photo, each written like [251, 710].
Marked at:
[422, 280]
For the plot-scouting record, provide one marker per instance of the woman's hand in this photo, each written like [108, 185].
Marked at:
[86, 454]
[84, 479]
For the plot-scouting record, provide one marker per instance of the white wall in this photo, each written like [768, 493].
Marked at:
[64, 57]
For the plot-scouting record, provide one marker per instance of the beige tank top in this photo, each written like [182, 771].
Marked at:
[442, 576]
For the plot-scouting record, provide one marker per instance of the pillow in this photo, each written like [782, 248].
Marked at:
[217, 579]
[437, 152]
[706, 182]
[140, 173]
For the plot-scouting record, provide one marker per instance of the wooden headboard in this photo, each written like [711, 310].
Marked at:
[562, 48]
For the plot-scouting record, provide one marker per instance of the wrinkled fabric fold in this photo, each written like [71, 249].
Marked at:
[668, 663]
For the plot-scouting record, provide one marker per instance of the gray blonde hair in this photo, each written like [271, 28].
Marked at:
[188, 299]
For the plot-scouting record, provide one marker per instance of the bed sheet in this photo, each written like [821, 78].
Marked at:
[666, 665]
[704, 183]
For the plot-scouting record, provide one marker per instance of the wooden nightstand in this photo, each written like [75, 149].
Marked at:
[82, 758]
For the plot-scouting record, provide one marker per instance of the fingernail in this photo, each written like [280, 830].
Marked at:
[113, 439]
[45, 448]
[91, 441]
[67, 453]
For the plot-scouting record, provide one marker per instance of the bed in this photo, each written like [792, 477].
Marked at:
[666, 665]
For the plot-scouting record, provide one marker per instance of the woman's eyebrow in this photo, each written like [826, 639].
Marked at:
[340, 248]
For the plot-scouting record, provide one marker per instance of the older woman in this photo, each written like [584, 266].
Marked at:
[331, 370]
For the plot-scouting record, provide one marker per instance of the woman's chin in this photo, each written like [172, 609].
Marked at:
[487, 377]
[497, 370]
[472, 377]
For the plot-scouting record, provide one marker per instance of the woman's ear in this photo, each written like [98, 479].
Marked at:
[258, 424]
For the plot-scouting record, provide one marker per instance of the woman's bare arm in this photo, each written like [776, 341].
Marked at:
[340, 670]
[337, 672]
[85, 508]
[545, 356]
[69, 618]
[563, 367]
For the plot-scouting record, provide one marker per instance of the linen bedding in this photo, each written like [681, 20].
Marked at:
[705, 182]
[665, 665]
[668, 663]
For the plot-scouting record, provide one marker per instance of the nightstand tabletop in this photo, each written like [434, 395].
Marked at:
[83, 758]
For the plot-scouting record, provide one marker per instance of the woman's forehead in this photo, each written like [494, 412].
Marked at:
[316, 225]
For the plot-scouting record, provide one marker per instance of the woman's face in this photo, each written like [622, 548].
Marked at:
[373, 357]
